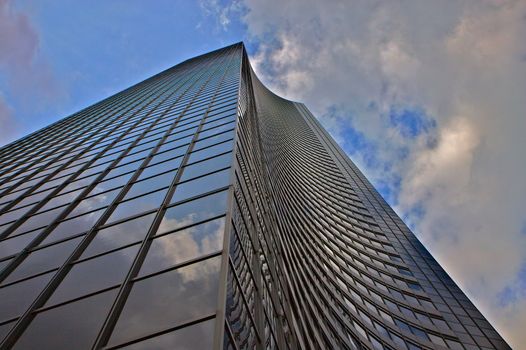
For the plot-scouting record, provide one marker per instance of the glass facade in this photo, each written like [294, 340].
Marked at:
[198, 210]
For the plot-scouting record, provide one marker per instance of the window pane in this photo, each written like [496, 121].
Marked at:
[213, 140]
[138, 205]
[44, 259]
[70, 326]
[73, 226]
[169, 299]
[195, 337]
[210, 151]
[118, 181]
[5, 328]
[202, 185]
[207, 166]
[149, 185]
[39, 220]
[61, 200]
[193, 211]
[119, 235]
[16, 244]
[183, 245]
[94, 202]
[170, 165]
[94, 274]
[16, 298]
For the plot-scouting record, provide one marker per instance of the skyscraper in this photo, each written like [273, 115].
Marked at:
[199, 210]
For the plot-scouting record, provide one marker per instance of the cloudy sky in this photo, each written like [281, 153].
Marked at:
[427, 97]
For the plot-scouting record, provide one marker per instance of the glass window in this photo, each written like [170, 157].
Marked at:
[177, 140]
[78, 184]
[94, 274]
[44, 259]
[14, 215]
[118, 181]
[61, 200]
[213, 140]
[70, 326]
[73, 226]
[124, 169]
[195, 337]
[39, 220]
[210, 151]
[193, 211]
[16, 298]
[170, 165]
[149, 185]
[201, 185]
[169, 299]
[94, 202]
[32, 198]
[119, 235]
[190, 243]
[5, 328]
[437, 340]
[174, 150]
[454, 345]
[16, 244]
[218, 122]
[215, 130]
[206, 166]
[138, 205]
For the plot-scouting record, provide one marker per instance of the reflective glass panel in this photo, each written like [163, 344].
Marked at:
[149, 185]
[169, 299]
[201, 185]
[70, 326]
[138, 205]
[193, 211]
[119, 235]
[206, 166]
[183, 245]
[94, 274]
[14, 245]
[44, 259]
[94, 202]
[195, 337]
[73, 226]
[16, 298]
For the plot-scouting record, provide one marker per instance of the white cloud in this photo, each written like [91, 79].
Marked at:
[219, 11]
[464, 64]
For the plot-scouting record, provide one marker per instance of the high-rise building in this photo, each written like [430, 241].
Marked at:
[198, 210]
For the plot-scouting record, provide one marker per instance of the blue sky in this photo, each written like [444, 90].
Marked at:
[427, 99]
[96, 48]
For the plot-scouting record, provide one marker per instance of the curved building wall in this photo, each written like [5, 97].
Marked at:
[333, 266]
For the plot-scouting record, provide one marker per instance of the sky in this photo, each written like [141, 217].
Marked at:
[427, 97]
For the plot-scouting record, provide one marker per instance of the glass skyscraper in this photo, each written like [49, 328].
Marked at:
[198, 210]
